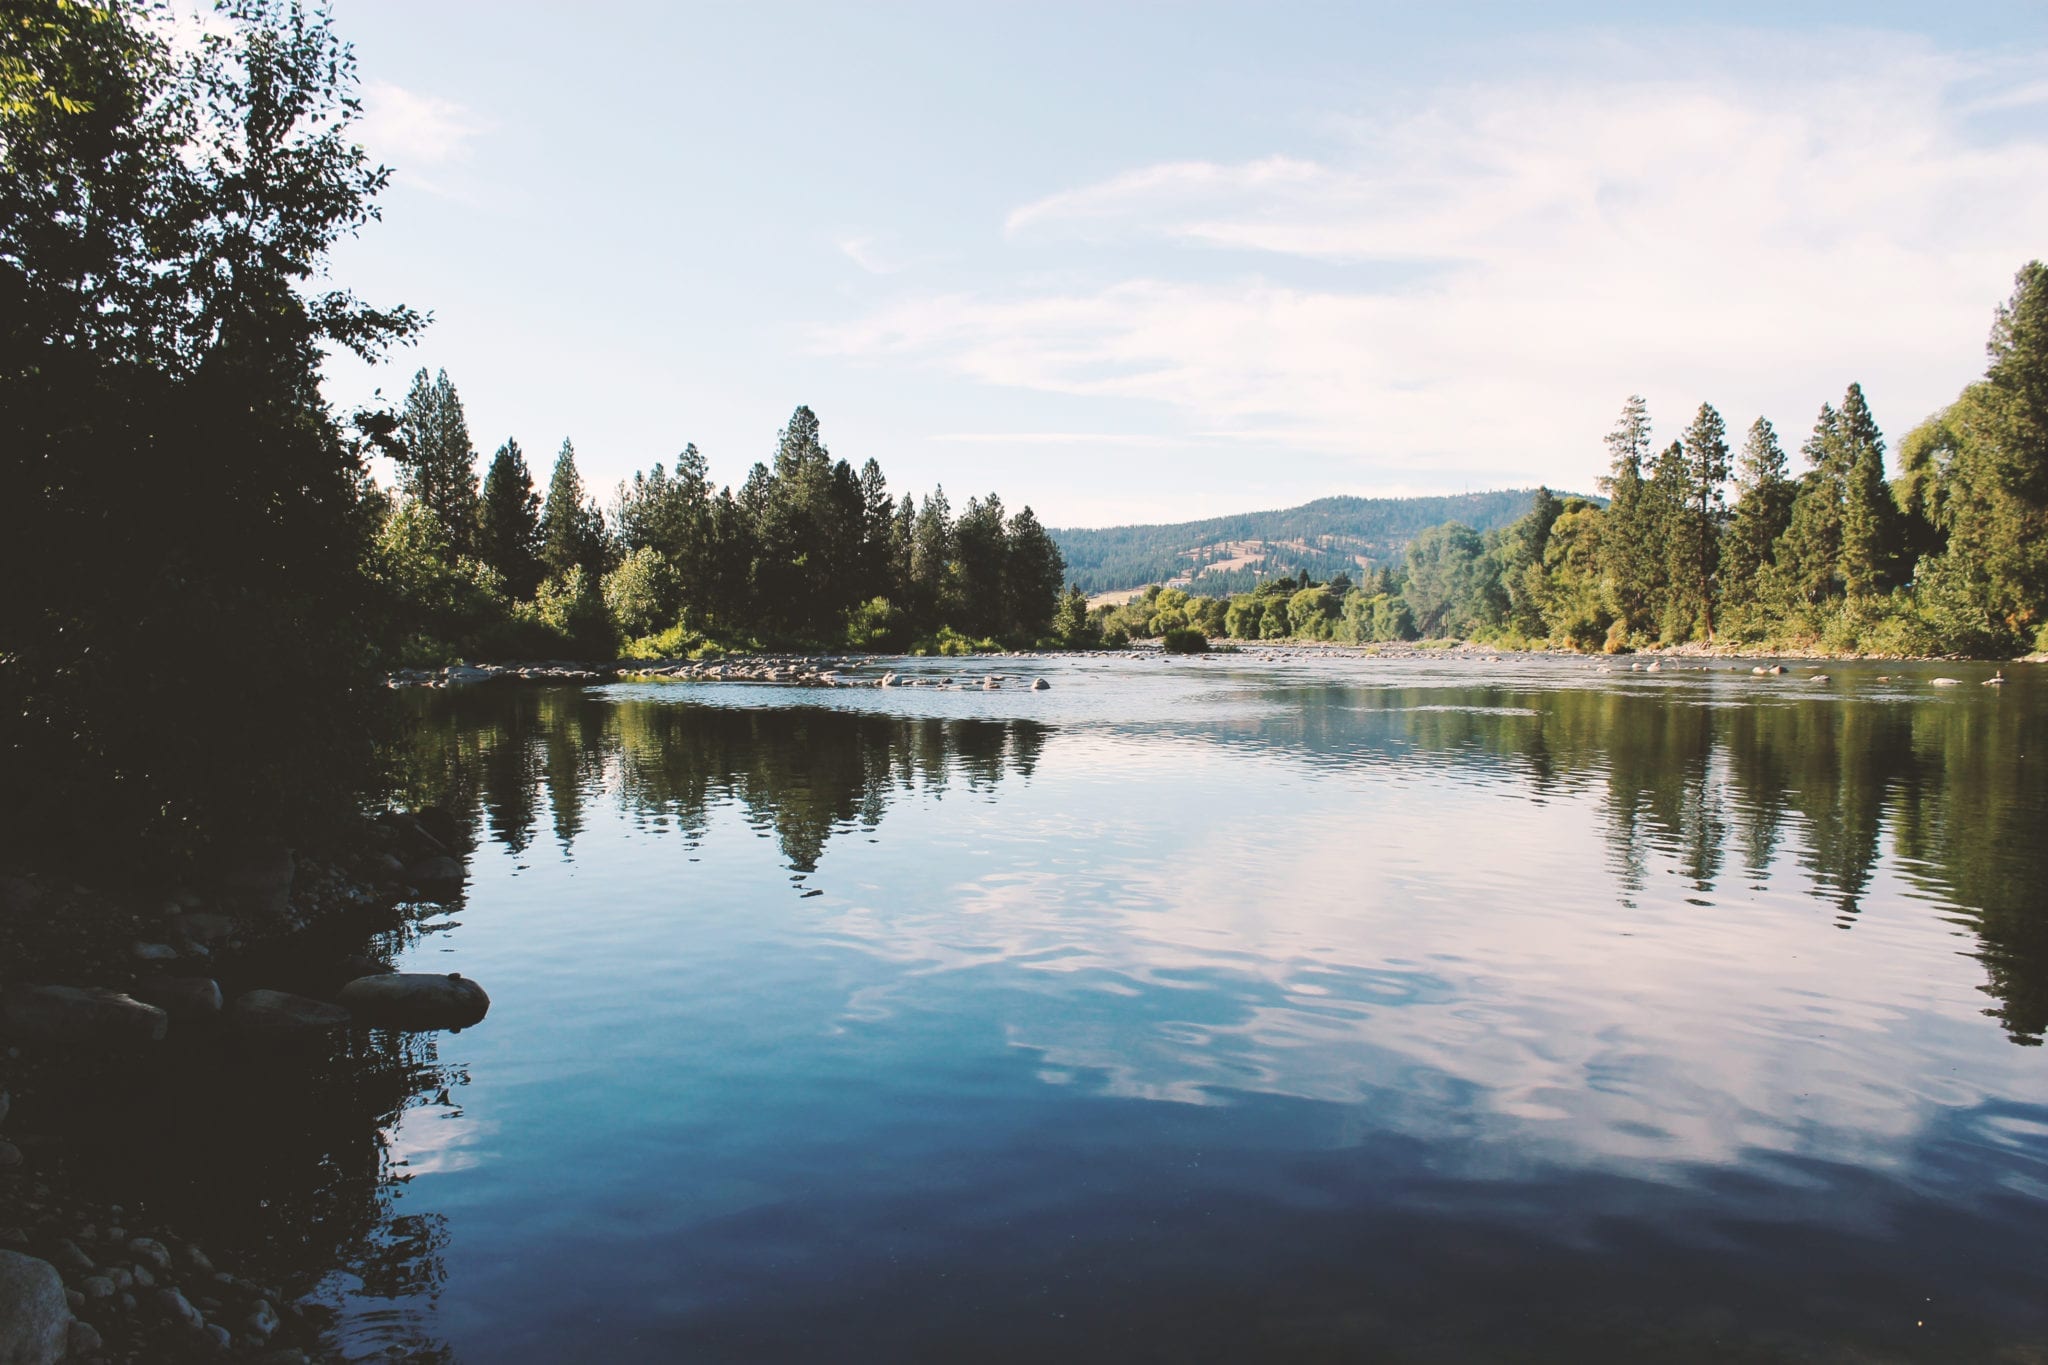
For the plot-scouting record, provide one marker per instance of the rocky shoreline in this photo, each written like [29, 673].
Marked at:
[103, 986]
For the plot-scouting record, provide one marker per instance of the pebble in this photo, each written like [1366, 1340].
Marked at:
[262, 1320]
[150, 1252]
[175, 1305]
[97, 1287]
[10, 1155]
[222, 1337]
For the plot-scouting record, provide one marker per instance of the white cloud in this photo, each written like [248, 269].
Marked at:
[413, 132]
[863, 252]
[1760, 230]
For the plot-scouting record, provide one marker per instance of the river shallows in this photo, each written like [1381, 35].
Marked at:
[1421, 1009]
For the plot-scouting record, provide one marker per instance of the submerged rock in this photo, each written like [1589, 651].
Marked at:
[69, 1014]
[35, 1315]
[439, 874]
[416, 1000]
[182, 997]
[277, 1012]
[1040, 685]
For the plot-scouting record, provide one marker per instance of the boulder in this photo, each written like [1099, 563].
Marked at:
[383, 868]
[461, 675]
[416, 1000]
[68, 1014]
[437, 874]
[182, 997]
[84, 1340]
[276, 1012]
[257, 878]
[1040, 685]
[35, 1316]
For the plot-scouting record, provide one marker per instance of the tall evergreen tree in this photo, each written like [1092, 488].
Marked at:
[1870, 522]
[1763, 509]
[1031, 578]
[1813, 539]
[980, 555]
[508, 524]
[571, 527]
[1629, 552]
[436, 463]
[1695, 533]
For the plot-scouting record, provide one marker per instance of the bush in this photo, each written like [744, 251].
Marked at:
[641, 593]
[570, 605]
[875, 625]
[1185, 642]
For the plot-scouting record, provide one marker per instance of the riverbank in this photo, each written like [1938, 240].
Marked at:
[171, 1009]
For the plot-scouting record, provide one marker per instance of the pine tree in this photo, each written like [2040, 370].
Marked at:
[1812, 547]
[1628, 549]
[436, 464]
[508, 525]
[1695, 540]
[1032, 577]
[1870, 529]
[1763, 509]
[571, 528]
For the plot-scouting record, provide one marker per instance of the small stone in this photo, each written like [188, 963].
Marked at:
[117, 1234]
[75, 1299]
[84, 1339]
[127, 1301]
[150, 1252]
[195, 1259]
[97, 1287]
[222, 1337]
[67, 1014]
[143, 1278]
[262, 1319]
[67, 1256]
[10, 1155]
[122, 1277]
[176, 1307]
[4, 1102]
[153, 952]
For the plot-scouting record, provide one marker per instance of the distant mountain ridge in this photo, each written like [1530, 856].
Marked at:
[1231, 553]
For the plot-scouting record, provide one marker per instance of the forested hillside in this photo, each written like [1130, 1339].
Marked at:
[1950, 556]
[1230, 554]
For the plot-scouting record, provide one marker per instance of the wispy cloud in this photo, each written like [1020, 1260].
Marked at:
[416, 134]
[1722, 232]
[863, 252]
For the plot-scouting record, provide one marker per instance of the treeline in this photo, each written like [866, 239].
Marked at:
[1949, 555]
[807, 551]
[1325, 537]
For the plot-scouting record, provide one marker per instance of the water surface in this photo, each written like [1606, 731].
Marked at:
[1347, 1009]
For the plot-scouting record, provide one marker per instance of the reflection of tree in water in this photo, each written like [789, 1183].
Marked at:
[1822, 776]
[800, 773]
[1818, 777]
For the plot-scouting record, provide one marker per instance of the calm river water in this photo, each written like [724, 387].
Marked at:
[1427, 1009]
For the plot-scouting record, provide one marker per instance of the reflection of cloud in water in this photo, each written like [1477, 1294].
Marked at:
[1326, 955]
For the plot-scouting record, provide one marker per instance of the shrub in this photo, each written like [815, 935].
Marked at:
[1185, 642]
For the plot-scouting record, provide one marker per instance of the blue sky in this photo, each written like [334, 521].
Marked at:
[1149, 261]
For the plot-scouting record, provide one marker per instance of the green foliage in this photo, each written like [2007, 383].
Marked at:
[641, 593]
[1072, 626]
[571, 527]
[436, 464]
[508, 522]
[160, 347]
[1185, 641]
[572, 607]
[876, 625]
